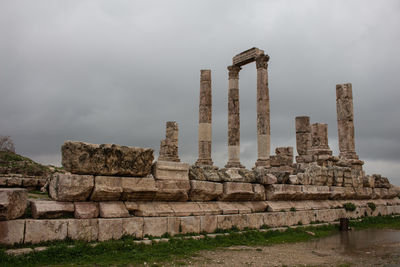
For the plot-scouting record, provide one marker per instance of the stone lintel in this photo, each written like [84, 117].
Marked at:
[247, 56]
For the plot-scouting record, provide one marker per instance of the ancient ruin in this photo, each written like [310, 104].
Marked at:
[110, 191]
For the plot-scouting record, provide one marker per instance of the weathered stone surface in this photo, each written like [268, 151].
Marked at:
[259, 192]
[256, 206]
[190, 224]
[174, 225]
[228, 221]
[138, 189]
[150, 209]
[37, 231]
[13, 202]
[107, 188]
[312, 192]
[369, 181]
[110, 229]
[70, 187]
[106, 159]
[133, 227]
[186, 208]
[247, 56]
[293, 179]
[51, 209]
[172, 190]
[86, 229]
[86, 210]
[169, 145]
[204, 191]
[165, 170]
[29, 182]
[210, 208]
[381, 182]
[155, 226]
[12, 232]
[14, 182]
[204, 173]
[237, 175]
[237, 192]
[319, 139]
[265, 178]
[283, 192]
[363, 193]
[3, 181]
[208, 223]
[113, 209]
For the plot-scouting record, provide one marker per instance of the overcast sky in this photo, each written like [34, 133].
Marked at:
[116, 71]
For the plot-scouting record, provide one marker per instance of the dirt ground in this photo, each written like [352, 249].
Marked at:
[299, 254]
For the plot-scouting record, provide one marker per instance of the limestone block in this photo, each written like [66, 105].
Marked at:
[86, 210]
[13, 202]
[314, 192]
[106, 159]
[186, 208]
[37, 231]
[113, 209]
[226, 222]
[173, 225]
[283, 192]
[275, 219]
[237, 192]
[204, 191]
[302, 124]
[210, 208]
[392, 192]
[277, 206]
[381, 182]
[155, 226]
[85, 229]
[51, 209]
[29, 182]
[369, 181]
[293, 179]
[208, 223]
[228, 208]
[363, 193]
[150, 209]
[255, 220]
[190, 224]
[133, 227]
[259, 192]
[110, 229]
[172, 190]
[167, 170]
[138, 189]
[256, 206]
[337, 192]
[12, 232]
[237, 175]
[70, 187]
[303, 179]
[265, 178]
[14, 182]
[241, 207]
[3, 181]
[107, 188]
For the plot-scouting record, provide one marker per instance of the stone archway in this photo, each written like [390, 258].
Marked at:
[263, 114]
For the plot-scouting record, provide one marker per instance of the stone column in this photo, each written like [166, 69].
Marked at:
[345, 119]
[169, 145]
[319, 139]
[303, 138]
[205, 117]
[233, 119]
[263, 118]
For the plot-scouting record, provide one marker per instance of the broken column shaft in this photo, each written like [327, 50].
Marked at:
[303, 138]
[319, 139]
[169, 145]
[205, 119]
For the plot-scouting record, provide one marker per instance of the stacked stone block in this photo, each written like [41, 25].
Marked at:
[169, 145]
[303, 139]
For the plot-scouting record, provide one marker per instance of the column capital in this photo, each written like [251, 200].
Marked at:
[262, 61]
[234, 71]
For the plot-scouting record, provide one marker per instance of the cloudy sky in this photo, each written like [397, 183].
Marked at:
[116, 71]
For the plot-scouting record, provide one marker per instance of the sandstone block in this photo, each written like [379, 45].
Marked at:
[138, 189]
[190, 224]
[237, 192]
[12, 232]
[259, 192]
[106, 159]
[208, 223]
[283, 192]
[86, 210]
[150, 209]
[13, 202]
[86, 229]
[166, 170]
[110, 229]
[204, 191]
[133, 227]
[113, 209]
[107, 188]
[51, 209]
[37, 231]
[172, 190]
[155, 226]
[70, 187]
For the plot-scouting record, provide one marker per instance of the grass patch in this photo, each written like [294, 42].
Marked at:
[349, 206]
[379, 222]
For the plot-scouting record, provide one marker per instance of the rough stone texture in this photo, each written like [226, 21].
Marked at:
[155, 226]
[133, 227]
[86, 229]
[110, 229]
[37, 231]
[12, 232]
[190, 224]
[303, 135]
[164, 170]
[150, 209]
[173, 225]
[3, 181]
[265, 178]
[186, 208]
[138, 189]
[107, 188]
[29, 182]
[14, 182]
[86, 210]
[283, 192]
[312, 192]
[247, 56]
[319, 139]
[204, 173]
[113, 209]
[13, 202]
[51, 209]
[169, 145]
[237, 192]
[70, 187]
[210, 208]
[204, 191]
[381, 182]
[259, 192]
[172, 190]
[106, 159]
[208, 223]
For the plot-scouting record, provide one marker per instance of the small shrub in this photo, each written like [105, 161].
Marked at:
[300, 223]
[282, 210]
[292, 209]
[371, 205]
[264, 226]
[349, 206]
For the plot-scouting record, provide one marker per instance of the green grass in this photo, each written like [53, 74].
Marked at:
[125, 252]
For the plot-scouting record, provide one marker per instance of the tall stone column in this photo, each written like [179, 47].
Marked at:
[345, 119]
[233, 119]
[169, 145]
[263, 116]
[303, 138]
[205, 117]
[319, 139]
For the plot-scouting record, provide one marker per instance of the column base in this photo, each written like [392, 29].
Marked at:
[348, 155]
[204, 162]
[263, 163]
[236, 164]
